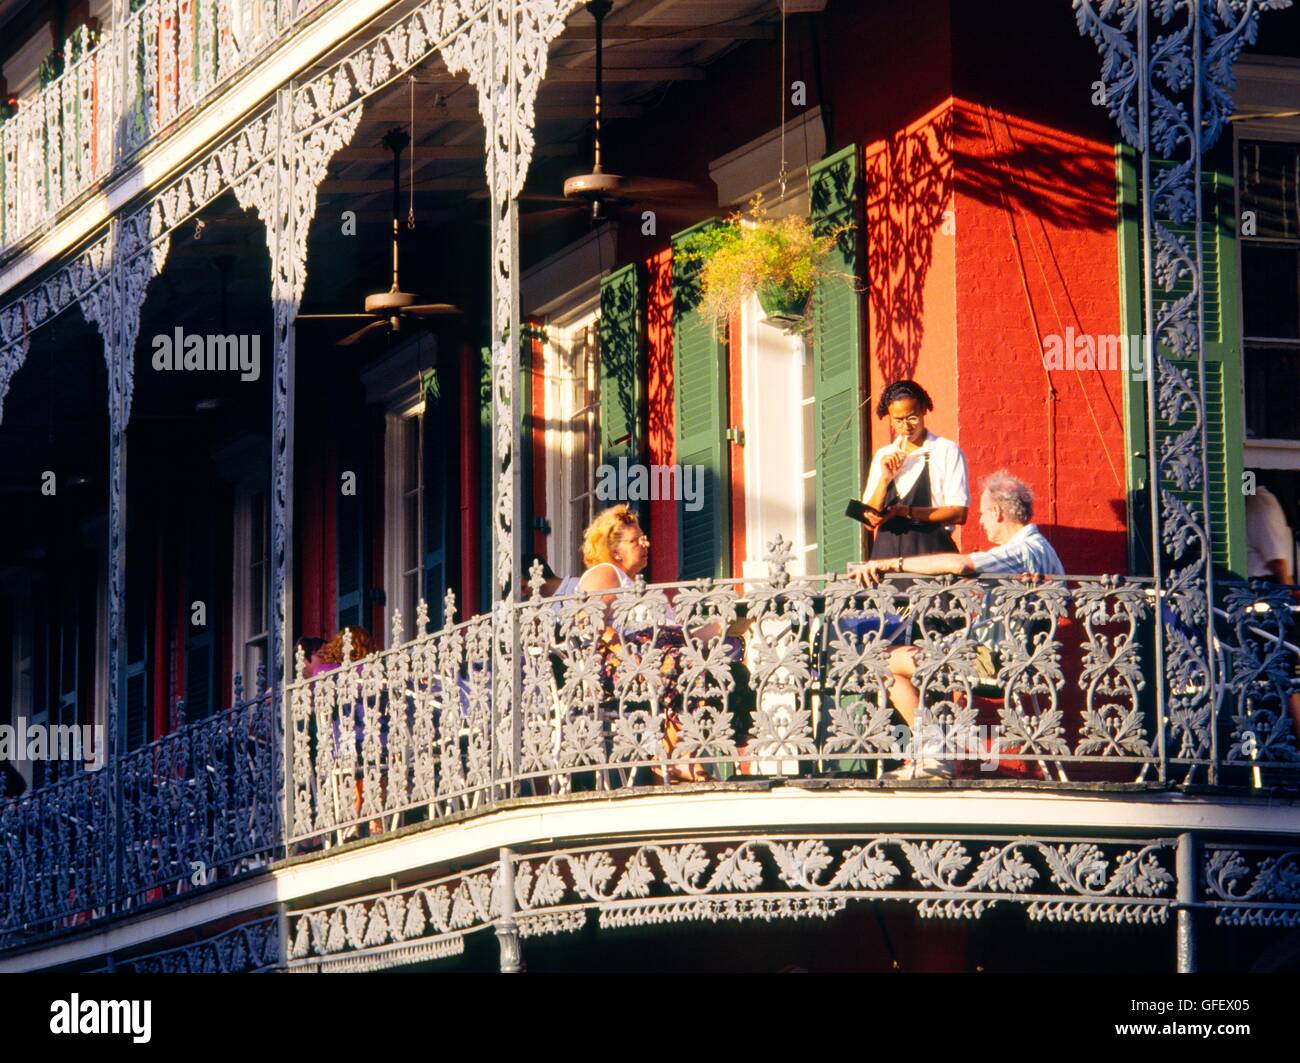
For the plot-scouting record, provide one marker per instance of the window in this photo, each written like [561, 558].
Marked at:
[582, 431]
[420, 488]
[572, 361]
[252, 597]
[1269, 179]
[405, 532]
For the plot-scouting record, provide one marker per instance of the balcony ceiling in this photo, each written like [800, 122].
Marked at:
[649, 46]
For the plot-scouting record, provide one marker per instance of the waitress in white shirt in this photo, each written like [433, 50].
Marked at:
[918, 481]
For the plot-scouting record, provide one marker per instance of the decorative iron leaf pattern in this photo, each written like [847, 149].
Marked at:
[1167, 77]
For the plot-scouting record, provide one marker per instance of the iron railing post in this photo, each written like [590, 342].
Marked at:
[507, 930]
[1186, 903]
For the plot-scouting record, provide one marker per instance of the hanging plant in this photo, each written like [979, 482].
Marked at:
[781, 260]
[8, 108]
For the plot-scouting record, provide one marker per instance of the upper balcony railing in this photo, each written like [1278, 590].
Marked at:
[117, 95]
[1040, 685]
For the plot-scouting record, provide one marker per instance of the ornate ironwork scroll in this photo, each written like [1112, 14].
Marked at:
[249, 948]
[1251, 885]
[793, 877]
[423, 922]
[1167, 72]
[135, 254]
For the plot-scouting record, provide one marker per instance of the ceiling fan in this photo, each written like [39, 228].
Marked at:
[385, 310]
[597, 191]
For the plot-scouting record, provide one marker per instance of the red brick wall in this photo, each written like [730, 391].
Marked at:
[1036, 254]
[970, 125]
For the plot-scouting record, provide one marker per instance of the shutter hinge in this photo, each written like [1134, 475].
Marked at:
[376, 595]
[736, 434]
[541, 524]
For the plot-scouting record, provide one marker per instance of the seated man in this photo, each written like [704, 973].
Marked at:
[1006, 506]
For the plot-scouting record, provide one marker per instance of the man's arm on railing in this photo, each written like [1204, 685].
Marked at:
[924, 565]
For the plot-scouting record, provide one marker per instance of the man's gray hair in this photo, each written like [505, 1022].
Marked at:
[1010, 495]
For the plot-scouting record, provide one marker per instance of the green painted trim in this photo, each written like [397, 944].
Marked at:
[838, 374]
[707, 531]
[1222, 350]
[1137, 467]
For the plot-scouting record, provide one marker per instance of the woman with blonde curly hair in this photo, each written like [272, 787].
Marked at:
[615, 551]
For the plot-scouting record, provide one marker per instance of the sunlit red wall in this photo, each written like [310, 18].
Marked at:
[987, 174]
[1036, 254]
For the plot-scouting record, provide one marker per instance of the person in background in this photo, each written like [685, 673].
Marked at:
[918, 481]
[1269, 543]
[1270, 547]
[311, 646]
[331, 655]
[1006, 509]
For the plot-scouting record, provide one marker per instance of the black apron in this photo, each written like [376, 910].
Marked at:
[900, 537]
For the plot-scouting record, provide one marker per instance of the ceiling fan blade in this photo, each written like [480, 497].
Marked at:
[332, 317]
[431, 310]
[526, 196]
[538, 217]
[348, 341]
[664, 188]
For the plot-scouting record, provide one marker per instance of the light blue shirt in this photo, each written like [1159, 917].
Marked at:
[1028, 551]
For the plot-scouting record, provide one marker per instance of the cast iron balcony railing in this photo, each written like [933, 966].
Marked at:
[191, 808]
[1046, 682]
[119, 94]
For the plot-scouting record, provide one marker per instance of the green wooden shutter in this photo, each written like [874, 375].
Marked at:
[700, 399]
[621, 313]
[1223, 415]
[837, 366]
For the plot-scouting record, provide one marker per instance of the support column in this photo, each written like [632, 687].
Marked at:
[286, 296]
[512, 961]
[504, 55]
[1167, 77]
[1188, 893]
[283, 192]
[134, 255]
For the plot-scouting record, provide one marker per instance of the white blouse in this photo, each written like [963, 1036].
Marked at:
[948, 484]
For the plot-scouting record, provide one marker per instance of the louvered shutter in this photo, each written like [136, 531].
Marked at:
[700, 397]
[621, 314]
[1223, 427]
[837, 358]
